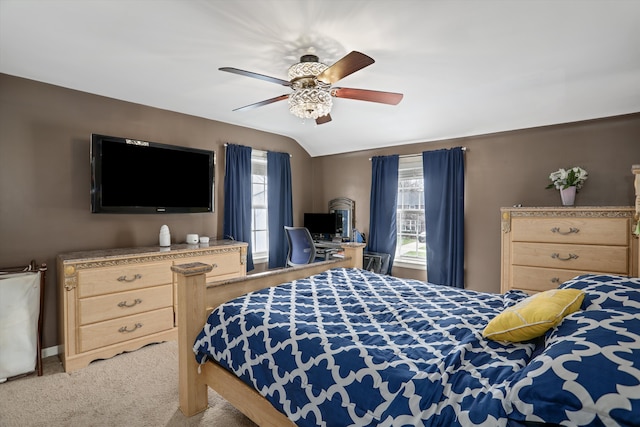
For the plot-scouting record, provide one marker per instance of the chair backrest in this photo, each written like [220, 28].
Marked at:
[301, 247]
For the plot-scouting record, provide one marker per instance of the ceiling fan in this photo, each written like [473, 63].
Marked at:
[312, 82]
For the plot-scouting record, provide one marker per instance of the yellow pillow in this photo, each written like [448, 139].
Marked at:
[533, 316]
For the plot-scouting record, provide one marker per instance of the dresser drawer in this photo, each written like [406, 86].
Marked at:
[225, 265]
[595, 231]
[606, 259]
[538, 279]
[99, 281]
[112, 306]
[126, 328]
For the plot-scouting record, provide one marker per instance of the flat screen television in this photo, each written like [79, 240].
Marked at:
[323, 223]
[131, 176]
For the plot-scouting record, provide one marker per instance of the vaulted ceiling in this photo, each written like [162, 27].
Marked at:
[464, 67]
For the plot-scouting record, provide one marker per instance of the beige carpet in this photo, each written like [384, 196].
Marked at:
[139, 388]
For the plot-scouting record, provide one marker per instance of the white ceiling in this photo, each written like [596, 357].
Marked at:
[465, 67]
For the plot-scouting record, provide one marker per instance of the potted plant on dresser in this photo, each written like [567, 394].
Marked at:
[569, 182]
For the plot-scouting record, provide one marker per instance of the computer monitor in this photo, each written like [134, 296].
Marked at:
[323, 223]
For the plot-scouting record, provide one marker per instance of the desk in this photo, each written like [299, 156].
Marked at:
[324, 248]
[372, 261]
[327, 244]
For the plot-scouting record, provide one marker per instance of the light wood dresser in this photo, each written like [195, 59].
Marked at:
[544, 247]
[117, 300]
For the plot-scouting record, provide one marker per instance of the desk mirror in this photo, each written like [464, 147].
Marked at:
[347, 208]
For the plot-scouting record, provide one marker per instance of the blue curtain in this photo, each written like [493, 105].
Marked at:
[280, 208]
[237, 197]
[444, 214]
[383, 206]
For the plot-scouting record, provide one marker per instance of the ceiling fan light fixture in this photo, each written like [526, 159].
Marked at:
[311, 81]
[310, 98]
[310, 103]
[309, 66]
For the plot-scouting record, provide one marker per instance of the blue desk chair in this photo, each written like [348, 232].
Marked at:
[301, 248]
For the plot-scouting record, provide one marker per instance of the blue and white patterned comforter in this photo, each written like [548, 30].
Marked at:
[352, 348]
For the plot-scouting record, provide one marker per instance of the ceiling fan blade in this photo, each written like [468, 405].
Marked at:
[323, 119]
[255, 76]
[261, 103]
[349, 64]
[391, 98]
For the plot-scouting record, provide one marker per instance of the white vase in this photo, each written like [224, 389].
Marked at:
[165, 236]
[568, 196]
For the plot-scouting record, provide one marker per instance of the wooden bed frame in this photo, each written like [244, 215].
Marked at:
[196, 299]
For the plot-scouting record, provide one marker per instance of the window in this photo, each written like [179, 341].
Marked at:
[411, 244]
[259, 223]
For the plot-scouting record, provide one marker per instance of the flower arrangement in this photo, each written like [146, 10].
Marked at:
[563, 178]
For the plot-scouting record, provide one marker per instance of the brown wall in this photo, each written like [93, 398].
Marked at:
[44, 176]
[503, 169]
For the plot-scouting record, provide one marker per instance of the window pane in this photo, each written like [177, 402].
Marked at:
[411, 244]
[260, 219]
[260, 242]
[259, 211]
[259, 194]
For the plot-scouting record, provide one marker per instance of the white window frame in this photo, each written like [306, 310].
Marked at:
[259, 178]
[409, 175]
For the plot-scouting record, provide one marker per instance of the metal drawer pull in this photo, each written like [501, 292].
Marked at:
[214, 265]
[571, 230]
[124, 304]
[124, 278]
[555, 280]
[570, 257]
[124, 329]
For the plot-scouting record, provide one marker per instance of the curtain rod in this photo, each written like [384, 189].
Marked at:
[414, 155]
[290, 155]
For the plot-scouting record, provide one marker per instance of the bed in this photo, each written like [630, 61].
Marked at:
[333, 344]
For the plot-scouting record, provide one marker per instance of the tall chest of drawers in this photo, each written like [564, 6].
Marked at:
[544, 247]
[117, 300]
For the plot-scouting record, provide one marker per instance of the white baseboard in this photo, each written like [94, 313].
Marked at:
[50, 351]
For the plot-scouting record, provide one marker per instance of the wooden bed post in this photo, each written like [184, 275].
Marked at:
[192, 315]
